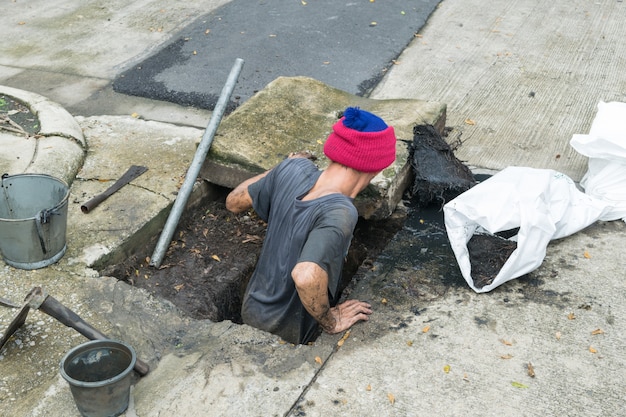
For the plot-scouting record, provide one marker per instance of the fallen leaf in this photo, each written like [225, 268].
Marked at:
[425, 329]
[318, 360]
[506, 342]
[592, 350]
[409, 343]
[571, 316]
[518, 384]
[470, 122]
[384, 301]
[507, 356]
[179, 287]
[147, 259]
[343, 338]
[369, 387]
[557, 335]
[531, 370]
[587, 255]
[446, 369]
[217, 258]
[597, 331]
[392, 398]
[135, 115]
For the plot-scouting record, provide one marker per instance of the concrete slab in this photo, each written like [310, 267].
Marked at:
[519, 79]
[20, 155]
[297, 113]
[449, 352]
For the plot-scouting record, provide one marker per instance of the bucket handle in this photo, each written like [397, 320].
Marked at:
[43, 217]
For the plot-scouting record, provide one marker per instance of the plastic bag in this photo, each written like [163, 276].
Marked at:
[543, 204]
[605, 146]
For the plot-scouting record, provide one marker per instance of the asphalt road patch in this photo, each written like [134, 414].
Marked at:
[347, 45]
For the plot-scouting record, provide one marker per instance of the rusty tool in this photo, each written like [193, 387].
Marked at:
[37, 298]
[132, 173]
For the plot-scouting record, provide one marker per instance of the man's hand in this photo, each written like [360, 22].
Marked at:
[347, 314]
[312, 285]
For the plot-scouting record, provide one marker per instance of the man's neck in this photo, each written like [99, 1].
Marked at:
[339, 179]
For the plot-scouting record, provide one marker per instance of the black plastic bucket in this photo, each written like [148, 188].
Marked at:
[100, 373]
[33, 220]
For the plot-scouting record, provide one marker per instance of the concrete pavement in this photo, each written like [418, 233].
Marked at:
[431, 348]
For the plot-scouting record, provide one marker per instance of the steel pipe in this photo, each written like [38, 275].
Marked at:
[194, 169]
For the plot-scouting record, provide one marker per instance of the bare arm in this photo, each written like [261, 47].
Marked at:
[239, 199]
[312, 286]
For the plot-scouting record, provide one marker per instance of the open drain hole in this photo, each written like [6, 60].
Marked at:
[213, 254]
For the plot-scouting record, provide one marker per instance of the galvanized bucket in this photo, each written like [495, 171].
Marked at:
[100, 373]
[33, 220]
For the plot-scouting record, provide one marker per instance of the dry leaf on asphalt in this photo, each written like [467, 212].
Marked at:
[531, 370]
[597, 331]
[392, 398]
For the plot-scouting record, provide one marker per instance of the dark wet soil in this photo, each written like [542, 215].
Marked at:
[213, 253]
[488, 254]
[17, 118]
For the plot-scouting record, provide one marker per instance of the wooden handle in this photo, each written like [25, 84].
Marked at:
[55, 309]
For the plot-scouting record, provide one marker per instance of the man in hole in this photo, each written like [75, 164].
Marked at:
[310, 219]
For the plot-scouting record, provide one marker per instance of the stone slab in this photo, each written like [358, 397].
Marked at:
[297, 113]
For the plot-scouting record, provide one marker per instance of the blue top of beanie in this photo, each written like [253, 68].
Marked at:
[363, 121]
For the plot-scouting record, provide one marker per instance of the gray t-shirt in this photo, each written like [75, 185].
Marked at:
[318, 231]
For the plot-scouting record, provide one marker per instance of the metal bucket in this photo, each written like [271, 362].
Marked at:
[99, 373]
[33, 220]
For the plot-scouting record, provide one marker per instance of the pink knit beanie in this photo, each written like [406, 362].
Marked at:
[362, 141]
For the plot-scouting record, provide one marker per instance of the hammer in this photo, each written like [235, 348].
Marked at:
[39, 299]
